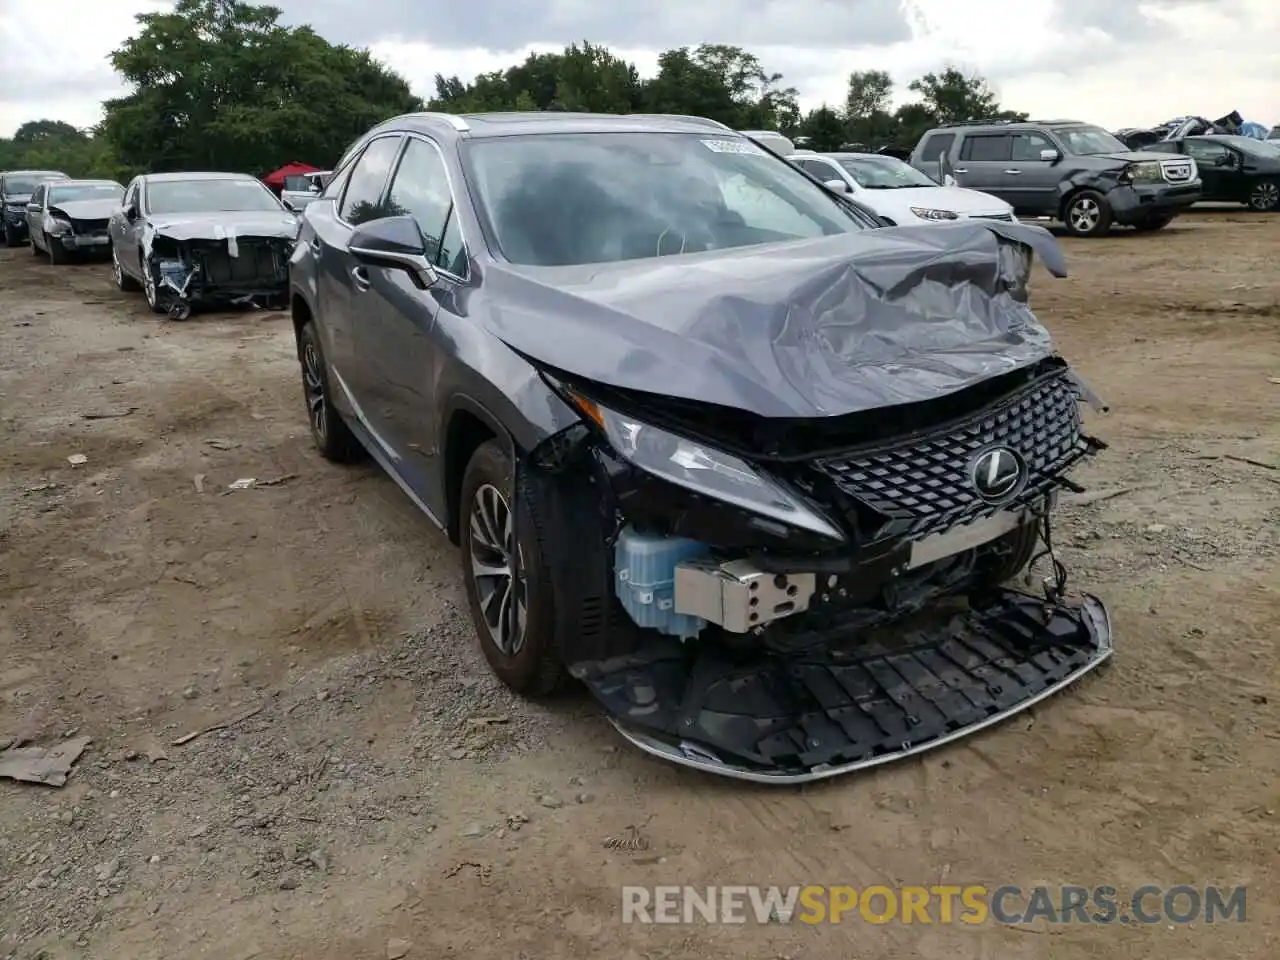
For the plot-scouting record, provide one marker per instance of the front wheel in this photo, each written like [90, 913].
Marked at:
[58, 254]
[123, 281]
[151, 286]
[1087, 214]
[1265, 196]
[508, 584]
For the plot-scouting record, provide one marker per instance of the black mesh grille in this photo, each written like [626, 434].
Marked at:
[256, 262]
[88, 228]
[926, 485]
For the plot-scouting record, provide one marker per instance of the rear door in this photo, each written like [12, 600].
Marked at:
[340, 304]
[983, 160]
[397, 336]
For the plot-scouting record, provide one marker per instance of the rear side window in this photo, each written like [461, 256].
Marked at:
[368, 177]
[986, 147]
[936, 145]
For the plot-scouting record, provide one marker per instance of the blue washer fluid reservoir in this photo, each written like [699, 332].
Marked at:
[644, 577]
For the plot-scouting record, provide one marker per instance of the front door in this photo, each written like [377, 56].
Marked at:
[124, 231]
[340, 282]
[398, 342]
[1215, 162]
[1031, 181]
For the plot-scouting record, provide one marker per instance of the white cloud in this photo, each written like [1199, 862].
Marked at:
[1211, 57]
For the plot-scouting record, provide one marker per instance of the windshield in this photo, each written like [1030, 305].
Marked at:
[209, 196]
[1086, 141]
[26, 183]
[86, 191]
[563, 199]
[884, 173]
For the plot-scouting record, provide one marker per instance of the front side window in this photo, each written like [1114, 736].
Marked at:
[421, 189]
[360, 203]
[209, 196]
[1207, 152]
[1027, 146]
[1089, 141]
[563, 199]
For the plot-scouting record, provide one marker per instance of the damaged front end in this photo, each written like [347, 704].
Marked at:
[184, 270]
[829, 606]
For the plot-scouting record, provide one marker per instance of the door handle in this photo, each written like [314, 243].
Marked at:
[960, 170]
[1014, 173]
[361, 278]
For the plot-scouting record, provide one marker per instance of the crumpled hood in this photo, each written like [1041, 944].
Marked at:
[822, 327]
[956, 199]
[218, 226]
[88, 209]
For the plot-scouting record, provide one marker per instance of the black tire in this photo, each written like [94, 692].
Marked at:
[157, 299]
[534, 668]
[1087, 214]
[123, 281]
[35, 251]
[1152, 224]
[10, 236]
[1009, 555]
[329, 432]
[58, 254]
[1264, 197]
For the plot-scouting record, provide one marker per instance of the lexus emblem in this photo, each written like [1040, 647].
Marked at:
[997, 473]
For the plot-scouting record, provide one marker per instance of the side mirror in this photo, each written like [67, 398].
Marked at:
[131, 212]
[394, 242]
[1049, 155]
[313, 187]
[949, 181]
[837, 186]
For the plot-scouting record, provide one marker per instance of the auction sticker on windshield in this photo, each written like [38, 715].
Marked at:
[733, 146]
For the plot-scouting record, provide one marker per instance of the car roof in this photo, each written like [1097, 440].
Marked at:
[194, 175]
[33, 173]
[847, 155]
[483, 125]
[72, 182]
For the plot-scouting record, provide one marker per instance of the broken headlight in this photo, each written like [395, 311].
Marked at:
[56, 226]
[704, 470]
[1147, 171]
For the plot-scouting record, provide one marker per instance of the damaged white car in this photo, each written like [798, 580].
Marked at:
[188, 239]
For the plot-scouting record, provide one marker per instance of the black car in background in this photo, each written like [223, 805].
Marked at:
[1233, 169]
[16, 187]
[201, 238]
[65, 217]
[698, 424]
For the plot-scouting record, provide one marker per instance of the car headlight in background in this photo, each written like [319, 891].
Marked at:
[926, 213]
[1148, 171]
[702, 469]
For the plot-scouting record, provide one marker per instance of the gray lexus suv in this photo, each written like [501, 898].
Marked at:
[703, 430]
[1063, 169]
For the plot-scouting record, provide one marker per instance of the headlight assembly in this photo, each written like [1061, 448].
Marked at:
[926, 213]
[704, 470]
[56, 226]
[1148, 171]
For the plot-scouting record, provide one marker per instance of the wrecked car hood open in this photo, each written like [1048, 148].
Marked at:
[823, 327]
[87, 209]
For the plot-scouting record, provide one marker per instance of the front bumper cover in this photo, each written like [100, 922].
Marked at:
[795, 718]
[1133, 203]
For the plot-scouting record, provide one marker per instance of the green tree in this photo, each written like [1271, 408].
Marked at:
[221, 84]
[953, 96]
[825, 129]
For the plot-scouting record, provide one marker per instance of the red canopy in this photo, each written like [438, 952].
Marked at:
[290, 169]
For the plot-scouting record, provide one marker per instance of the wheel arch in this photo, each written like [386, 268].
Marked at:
[466, 425]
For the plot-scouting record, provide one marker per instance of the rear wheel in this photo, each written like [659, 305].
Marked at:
[1265, 196]
[508, 583]
[1087, 214]
[329, 432]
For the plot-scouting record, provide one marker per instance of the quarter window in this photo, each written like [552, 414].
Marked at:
[361, 202]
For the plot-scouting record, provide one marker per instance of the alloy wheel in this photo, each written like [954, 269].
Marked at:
[1265, 196]
[1084, 214]
[117, 272]
[313, 383]
[498, 569]
[149, 285]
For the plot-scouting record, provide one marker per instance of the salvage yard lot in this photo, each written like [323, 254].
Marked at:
[386, 795]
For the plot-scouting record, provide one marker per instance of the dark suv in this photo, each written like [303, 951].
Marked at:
[16, 187]
[1073, 172]
[701, 428]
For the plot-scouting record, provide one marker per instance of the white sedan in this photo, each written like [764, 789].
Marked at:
[899, 192]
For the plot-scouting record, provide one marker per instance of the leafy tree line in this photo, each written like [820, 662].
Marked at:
[223, 85]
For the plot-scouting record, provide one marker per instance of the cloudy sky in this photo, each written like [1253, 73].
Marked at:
[1113, 62]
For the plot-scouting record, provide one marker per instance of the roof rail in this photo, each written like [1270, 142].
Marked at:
[454, 121]
[991, 121]
[681, 116]
[1058, 120]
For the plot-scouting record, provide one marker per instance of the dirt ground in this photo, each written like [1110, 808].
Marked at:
[389, 799]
